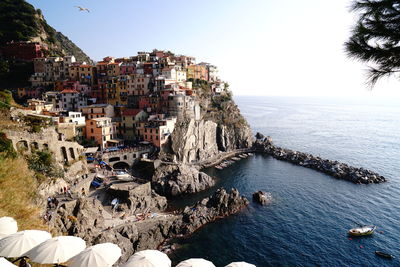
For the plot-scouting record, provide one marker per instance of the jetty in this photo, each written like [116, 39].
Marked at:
[334, 168]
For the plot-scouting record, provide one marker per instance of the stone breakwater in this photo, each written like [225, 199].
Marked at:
[334, 168]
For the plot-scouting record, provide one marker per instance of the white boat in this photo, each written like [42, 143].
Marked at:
[363, 230]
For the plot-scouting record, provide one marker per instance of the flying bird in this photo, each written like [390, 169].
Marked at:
[82, 8]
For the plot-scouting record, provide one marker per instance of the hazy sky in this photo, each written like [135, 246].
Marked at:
[262, 47]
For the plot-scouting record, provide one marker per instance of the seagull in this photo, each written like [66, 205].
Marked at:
[82, 8]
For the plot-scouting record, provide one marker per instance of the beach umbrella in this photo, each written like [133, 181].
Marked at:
[56, 250]
[8, 226]
[101, 255]
[240, 264]
[195, 263]
[16, 245]
[148, 258]
[5, 263]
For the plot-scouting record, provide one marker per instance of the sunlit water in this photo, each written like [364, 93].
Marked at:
[306, 224]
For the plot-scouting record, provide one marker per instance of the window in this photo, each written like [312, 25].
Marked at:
[91, 130]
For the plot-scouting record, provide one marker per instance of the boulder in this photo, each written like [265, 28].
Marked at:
[173, 180]
[259, 135]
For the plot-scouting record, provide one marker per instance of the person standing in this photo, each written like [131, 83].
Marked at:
[23, 263]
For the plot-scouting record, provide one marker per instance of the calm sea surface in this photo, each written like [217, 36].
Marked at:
[306, 224]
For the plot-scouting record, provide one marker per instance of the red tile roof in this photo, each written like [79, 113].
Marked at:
[69, 91]
[131, 112]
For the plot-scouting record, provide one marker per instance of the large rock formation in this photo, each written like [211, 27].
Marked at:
[194, 141]
[136, 198]
[231, 137]
[173, 180]
[84, 218]
[220, 204]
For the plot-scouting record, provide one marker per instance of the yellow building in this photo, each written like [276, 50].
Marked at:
[82, 73]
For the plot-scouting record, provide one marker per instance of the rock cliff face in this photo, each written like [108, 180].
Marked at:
[194, 141]
[231, 137]
[221, 129]
[173, 180]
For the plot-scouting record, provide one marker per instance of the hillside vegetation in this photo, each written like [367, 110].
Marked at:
[20, 21]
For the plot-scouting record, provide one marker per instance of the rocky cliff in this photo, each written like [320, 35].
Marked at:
[195, 141]
[20, 21]
[85, 219]
[221, 129]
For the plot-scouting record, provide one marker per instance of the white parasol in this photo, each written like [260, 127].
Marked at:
[195, 263]
[5, 263]
[240, 264]
[57, 250]
[16, 245]
[8, 226]
[101, 255]
[148, 258]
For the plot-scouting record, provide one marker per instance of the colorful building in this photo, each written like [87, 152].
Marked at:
[157, 129]
[102, 131]
[23, 50]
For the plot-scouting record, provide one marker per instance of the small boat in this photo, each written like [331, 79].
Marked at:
[383, 254]
[235, 158]
[250, 154]
[243, 156]
[219, 167]
[363, 230]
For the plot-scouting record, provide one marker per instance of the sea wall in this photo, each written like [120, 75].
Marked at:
[331, 167]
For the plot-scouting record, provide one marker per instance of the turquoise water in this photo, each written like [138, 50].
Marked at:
[306, 224]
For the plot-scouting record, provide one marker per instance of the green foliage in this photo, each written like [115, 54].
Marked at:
[36, 124]
[6, 147]
[5, 99]
[42, 163]
[88, 142]
[17, 21]
[375, 37]
[14, 73]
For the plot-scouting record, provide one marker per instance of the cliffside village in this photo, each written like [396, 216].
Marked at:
[117, 101]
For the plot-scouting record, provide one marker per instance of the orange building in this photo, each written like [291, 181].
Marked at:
[197, 72]
[102, 131]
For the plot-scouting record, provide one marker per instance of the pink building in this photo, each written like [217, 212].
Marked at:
[128, 68]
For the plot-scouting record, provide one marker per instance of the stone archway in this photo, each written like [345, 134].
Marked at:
[45, 146]
[22, 146]
[121, 165]
[72, 153]
[34, 146]
[64, 154]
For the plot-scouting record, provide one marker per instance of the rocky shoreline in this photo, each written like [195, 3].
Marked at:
[86, 218]
[333, 168]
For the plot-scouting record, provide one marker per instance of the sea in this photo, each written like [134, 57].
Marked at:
[307, 222]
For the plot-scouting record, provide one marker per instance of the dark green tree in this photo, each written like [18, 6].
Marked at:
[375, 37]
